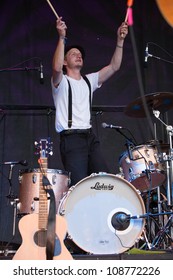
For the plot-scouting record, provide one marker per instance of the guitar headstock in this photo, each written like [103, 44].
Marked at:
[44, 148]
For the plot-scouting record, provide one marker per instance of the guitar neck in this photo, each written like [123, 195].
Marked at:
[43, 200]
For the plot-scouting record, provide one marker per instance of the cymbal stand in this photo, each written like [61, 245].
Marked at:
[168, 159]
[166, 231]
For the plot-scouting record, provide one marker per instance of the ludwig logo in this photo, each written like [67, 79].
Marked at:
[101, 186]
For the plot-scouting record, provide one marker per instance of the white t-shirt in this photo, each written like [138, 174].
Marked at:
[80, 102]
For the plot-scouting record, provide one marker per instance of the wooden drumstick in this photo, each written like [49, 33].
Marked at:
[52, 9]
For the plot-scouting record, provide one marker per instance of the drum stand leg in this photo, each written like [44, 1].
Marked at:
[164, 234]
[14, 203]
[158, 227]
[147, 244]
[162, 238]
[159, 207]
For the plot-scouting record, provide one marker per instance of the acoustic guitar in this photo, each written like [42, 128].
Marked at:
[33, 227]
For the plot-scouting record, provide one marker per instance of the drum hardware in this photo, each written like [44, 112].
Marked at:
[14, 203]
[163, 237]
[168, 158]
[12, 164]
[161, 101]
[10, 195]
[146, 243]
[6, 250]
[12, 199]
[158, 237]
[158, 228]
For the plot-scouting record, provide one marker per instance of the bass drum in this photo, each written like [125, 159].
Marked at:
[29, 188]
[93, 208]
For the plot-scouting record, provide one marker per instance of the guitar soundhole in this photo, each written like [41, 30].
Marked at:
[40, 238]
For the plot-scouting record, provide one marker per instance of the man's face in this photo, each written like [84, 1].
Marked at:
[73, 58]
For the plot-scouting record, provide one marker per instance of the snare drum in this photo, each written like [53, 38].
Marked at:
[144, 171]
[29, 188]
[91, 208]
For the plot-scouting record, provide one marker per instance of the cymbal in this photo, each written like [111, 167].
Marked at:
[163, 147]
[161, 101]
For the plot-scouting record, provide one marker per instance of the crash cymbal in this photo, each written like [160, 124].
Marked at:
[161, 101]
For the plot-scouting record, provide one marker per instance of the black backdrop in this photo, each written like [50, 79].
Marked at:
[28, 37]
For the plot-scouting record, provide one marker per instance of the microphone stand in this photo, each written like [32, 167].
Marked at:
[13, 201]
[129, 140]
[10, 194]
[20, 69]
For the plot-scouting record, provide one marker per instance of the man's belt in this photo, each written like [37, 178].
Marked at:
[75, 131]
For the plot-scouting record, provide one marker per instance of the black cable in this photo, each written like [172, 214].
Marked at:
[154, 44]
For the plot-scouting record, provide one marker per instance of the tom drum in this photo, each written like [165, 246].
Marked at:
[29, 188]
[144, 170]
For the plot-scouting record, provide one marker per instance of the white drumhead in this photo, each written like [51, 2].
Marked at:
[89, 207]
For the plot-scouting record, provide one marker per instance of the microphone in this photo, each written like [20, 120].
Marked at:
[129, 150]
[21, 162]
[122, 217]
[41, 74]
[120, 221]
[105, 125]
[146, 53]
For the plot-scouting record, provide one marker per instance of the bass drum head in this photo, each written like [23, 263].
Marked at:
[90, 207]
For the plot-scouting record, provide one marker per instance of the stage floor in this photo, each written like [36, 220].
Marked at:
[133, 254]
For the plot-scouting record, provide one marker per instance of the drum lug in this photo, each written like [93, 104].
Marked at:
[62, 212]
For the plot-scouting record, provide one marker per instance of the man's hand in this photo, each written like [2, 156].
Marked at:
[61, 27]
[122, 31]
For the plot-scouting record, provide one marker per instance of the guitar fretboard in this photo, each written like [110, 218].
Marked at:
[43, 201]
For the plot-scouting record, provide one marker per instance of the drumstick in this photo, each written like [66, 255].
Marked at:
[128, 17]
[127, 13]
[129, 5]
[52, 9]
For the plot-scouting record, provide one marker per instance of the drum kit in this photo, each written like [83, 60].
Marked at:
[109, 214]
[149, 167]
